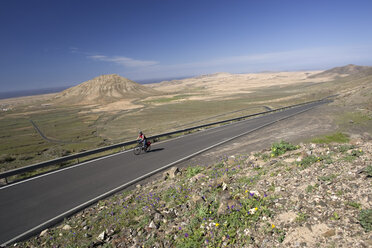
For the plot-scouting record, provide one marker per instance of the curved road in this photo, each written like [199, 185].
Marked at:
[32, 205]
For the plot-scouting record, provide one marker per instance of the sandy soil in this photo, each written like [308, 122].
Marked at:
[26, 100]
[117, 106]
[225, 84]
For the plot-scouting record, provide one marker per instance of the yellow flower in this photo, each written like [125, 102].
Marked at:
[246, 191]
[217, 224]
[256, 209]
[273, 226]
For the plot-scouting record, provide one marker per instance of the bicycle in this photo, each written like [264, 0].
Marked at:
[137, 150]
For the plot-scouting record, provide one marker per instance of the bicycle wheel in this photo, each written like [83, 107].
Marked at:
[137, 150]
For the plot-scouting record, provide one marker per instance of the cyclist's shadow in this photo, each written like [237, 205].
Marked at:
[155, 150]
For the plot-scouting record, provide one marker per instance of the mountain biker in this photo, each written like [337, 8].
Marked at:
[142, 139]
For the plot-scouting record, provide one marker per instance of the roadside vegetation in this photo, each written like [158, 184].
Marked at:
[283, 196]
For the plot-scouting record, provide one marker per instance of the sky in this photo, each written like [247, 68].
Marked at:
[54, 43]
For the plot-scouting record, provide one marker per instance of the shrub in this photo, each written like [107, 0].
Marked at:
[282, 147]
[365, 219]
[6, 158]
[368, 170]
[192, 171]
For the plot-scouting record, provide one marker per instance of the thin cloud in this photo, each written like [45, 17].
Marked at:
[124, 61]
[312, 58]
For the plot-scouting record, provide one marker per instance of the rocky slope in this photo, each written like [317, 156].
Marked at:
[347, 70]
[104, 89]
[309, 195]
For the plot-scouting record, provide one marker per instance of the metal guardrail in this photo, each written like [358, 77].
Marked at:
[110, 147]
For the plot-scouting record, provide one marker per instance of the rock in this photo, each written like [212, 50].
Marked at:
[289, 160]
[87, 235]
[224, 200]
[158, 217]
[224, 186]
[255, 193]
[172, 172]
[252, 158]
[304, 154]
[66, 227]
[222, 209]
[234, 205]
[153, 225]
[231, 161]
[102, 236]
[197, 199]
[43, 233]
[197, 177]
[329, 233]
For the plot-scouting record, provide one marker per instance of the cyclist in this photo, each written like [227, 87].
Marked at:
[142, 139]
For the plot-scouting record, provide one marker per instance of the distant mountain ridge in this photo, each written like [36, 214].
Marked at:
[346, 70]
[104, 89]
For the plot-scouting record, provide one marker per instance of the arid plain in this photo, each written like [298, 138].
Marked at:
[110, 109]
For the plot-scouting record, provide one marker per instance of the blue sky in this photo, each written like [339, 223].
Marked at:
[51, 43]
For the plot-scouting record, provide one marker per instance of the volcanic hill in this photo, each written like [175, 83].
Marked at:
[104, 89]
[347, 70]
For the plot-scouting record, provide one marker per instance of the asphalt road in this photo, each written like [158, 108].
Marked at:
[30, 206]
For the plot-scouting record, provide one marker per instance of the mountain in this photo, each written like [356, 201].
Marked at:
[345, 71]
[104, 89]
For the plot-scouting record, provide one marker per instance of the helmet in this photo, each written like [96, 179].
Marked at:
[140, 132]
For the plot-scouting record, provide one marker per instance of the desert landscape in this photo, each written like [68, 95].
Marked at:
[110, 109]
[293, 194]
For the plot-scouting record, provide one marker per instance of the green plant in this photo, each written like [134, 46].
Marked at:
[257, 155]
[327, 178]
[335, 216]
[353, 204]
[301, 217]
[307, 161]
[310, 188]
[357, 153]
[280, 148]
[348, 158]
[335, 137]
[192, 171]
[6, 158]
[365, 219]
[344, 148]
[368, 170]
[339, 193]
[265, 157]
